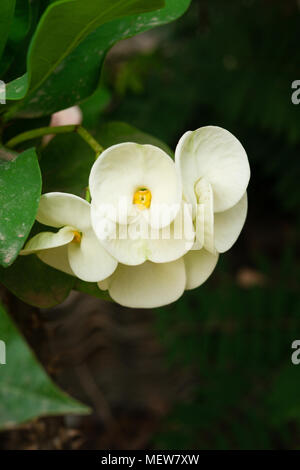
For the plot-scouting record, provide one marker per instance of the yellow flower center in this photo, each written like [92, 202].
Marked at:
[77, 236]
[142, 198]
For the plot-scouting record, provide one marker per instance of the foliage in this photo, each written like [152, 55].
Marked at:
[26, 391]
[48, 287]
[43, 86]
[20, 180]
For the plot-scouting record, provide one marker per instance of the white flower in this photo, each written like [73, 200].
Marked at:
[74, 249]
[164, 222]
[215, 173]
[136, 198]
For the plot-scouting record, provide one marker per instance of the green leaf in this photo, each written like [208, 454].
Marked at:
[65, 164]
[116, 132]
[6, 16]
[20, 185]
[93, 107]
[36, 283]
[65, 24]
[26, 392]
[17, 87]
[82, 68]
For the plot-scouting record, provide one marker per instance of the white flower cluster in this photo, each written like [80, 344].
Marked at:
[154, 227]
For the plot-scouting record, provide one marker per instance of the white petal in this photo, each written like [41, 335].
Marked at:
[148, 285]
[198, 265]
[199, 221]
[46, 240]
[138, 242]
[124, 168]
[127, 251]
[123, 242]
[57, 258]
[228, 225]
[205, 211]
[59, 209]
[174, 241]
[215, 154]
[89, 260]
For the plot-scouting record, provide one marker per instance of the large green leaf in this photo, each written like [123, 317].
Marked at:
[20, 190]
[26, 391]
[65, 25]
[7, 8]
[81, 69]
[65, 164]
[36, 283]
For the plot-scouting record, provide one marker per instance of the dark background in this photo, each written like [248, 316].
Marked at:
[213, 370]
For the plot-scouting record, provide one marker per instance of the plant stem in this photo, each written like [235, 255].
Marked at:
[87, 195]
[35, 133]
[85, 135]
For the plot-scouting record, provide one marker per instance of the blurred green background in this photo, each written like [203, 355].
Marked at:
[229, 64]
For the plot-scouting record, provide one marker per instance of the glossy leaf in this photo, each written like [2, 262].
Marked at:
[26, 392]
[20, 190]
[83, 80]
[36, 283]
[17, 88]
[65, 164]
[65, 24]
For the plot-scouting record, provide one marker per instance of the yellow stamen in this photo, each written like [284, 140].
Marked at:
[142, 198]
[77, 237]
